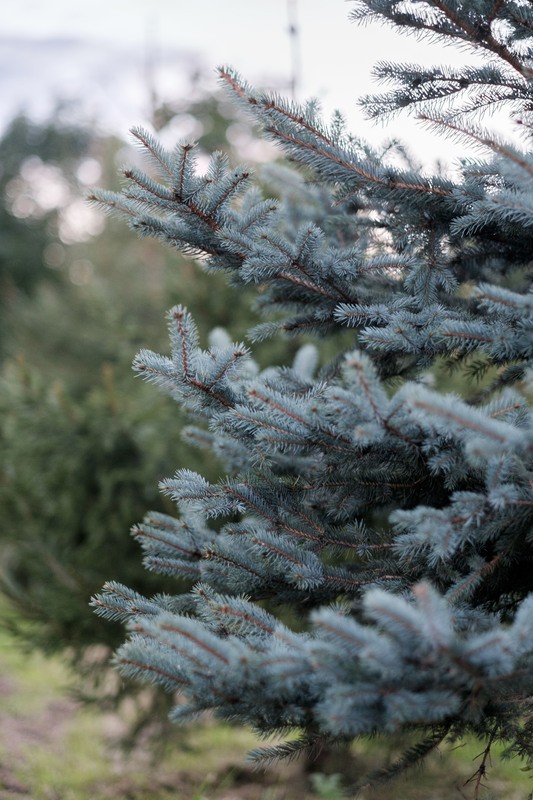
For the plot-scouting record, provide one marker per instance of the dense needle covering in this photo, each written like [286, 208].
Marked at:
[393, 516]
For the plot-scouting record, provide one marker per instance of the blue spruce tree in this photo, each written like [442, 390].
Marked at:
[393, 517]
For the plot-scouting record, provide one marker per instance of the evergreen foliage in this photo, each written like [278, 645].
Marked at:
[71, 472]
[81, 448]
[93, 464]
[80, 452]
[394, 518]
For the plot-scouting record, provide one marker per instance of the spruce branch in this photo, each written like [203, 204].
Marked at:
[484, 139]
[411, 758]
[160, 158]
[481, 771]
[391, 516]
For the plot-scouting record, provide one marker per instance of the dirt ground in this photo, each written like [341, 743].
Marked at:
[48, 731]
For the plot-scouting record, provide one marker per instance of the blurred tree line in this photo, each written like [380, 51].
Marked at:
[82, 444]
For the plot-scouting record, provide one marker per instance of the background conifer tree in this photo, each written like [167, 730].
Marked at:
[393, 517]
[80, 452]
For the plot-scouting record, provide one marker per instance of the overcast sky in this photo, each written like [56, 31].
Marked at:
[98, 53]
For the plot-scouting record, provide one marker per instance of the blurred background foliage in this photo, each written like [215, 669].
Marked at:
[82, 443]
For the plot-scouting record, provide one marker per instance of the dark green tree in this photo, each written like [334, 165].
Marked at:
[80, 440]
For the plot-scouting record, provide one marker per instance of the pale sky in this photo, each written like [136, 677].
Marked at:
[63, 49]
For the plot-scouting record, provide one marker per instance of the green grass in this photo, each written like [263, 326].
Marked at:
[52, 749]
[446, 775]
